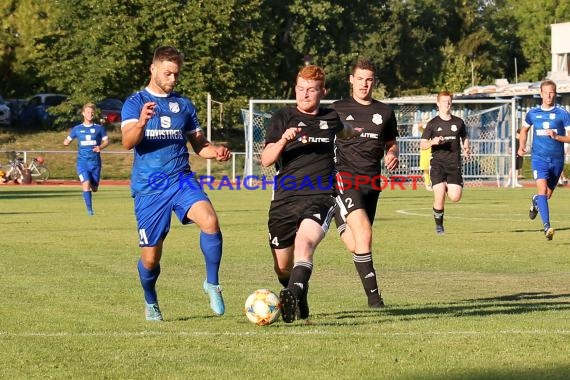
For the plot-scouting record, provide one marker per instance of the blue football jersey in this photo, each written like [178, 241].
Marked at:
[556, 118]
[88, 136]
[162, 154]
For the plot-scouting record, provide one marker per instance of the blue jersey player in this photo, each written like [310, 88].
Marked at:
[551, 124]
[157, 124]
[91, 140]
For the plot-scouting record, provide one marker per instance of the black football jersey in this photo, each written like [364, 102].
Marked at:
[453, 131]
[306, 165]
[362, 155]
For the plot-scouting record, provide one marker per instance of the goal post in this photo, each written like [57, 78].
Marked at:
[491, 128]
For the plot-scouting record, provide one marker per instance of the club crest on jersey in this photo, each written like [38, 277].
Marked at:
[454, 128]
[377, 119]
[303, 139]
[92, 130]
[323, 124]
[174, 107]
[552, 116]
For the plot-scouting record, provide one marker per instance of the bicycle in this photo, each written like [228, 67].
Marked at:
[18, 172]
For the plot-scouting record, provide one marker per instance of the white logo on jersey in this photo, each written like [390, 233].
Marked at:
[319, 139]
[301, 124]
[323, 124]
[92, 130]
[377, 119]
[552, 116]
[318, 216]
[369, 135]
[546, 125]
[439, 129]
[349, 117]
[174, 107]
[165, 122]
[454, 128]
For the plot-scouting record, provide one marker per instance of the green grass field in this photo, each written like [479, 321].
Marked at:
[489, 300]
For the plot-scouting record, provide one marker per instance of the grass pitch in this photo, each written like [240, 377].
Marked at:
[488, 300]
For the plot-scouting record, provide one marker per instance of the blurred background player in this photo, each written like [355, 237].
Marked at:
[158, 124]
[446, 135]
[550, 124]
[91, 140]
[362, 156]
[518, 163]
[300, 142]
[425, 157]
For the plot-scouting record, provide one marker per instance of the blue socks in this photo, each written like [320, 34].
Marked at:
[88, 203]
[211, 245]
[148, 281]
[542, 205]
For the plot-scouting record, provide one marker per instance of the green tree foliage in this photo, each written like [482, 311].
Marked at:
[240, 49]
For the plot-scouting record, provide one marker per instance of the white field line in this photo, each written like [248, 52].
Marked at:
[428, 213]
[64, 334]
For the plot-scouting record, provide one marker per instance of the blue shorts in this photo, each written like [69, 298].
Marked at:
[89, 172]
[153, 211]
[548, 169]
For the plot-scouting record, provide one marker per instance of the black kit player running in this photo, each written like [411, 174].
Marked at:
[358, 160]
[303, 189]
[446, 135]
[446, 158]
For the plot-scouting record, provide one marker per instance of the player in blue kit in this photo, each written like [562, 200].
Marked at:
[551, 124]
[157, 124]
[91, 140]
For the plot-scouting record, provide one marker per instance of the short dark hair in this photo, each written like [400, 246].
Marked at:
[168, 53]
[363, 64]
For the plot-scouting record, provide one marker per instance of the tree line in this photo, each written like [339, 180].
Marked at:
[241, 49]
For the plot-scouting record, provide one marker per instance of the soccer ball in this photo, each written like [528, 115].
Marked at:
[262, 307]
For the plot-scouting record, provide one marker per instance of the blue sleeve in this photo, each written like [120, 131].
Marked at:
[132, 107]
[192, 125]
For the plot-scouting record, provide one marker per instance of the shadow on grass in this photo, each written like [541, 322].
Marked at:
[19, 194]
[502, 305]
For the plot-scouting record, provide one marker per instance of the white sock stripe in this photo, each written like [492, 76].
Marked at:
[362, 258]
[305, 264]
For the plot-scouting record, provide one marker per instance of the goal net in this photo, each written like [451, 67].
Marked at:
[491, 127]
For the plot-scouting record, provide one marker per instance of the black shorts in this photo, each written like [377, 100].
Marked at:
[286, 215]
[445, 173]
[365, 198]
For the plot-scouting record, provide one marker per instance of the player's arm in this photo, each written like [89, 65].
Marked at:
[523, 136]
[133, 132]
[103, 145]
[555, 136]
[391, 160]
[272, 151]
[466, 147]
[206, 149]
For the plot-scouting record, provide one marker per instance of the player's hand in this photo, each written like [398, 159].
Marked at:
[222, 153]
[551, 133]
[96, 149]
[521, 151]
[467, 152]
[290, 134]
[391, 161]
[147, 111]
[437, 140]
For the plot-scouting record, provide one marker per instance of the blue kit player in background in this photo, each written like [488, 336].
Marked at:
[91, 140]
[157, 124]
[551, 124]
